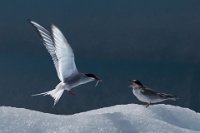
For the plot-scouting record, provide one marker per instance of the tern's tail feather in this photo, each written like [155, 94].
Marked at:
[55, 93]
[168, 96]
[175, 98]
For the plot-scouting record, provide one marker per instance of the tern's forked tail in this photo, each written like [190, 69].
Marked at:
[168, 96]
[55, 93]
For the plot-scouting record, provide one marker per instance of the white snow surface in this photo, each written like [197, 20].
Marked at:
[131, 118]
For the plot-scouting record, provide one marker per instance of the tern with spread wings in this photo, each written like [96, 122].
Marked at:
[63, 59]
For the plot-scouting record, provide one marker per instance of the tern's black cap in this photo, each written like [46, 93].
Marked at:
[138, 82]
[93, 76]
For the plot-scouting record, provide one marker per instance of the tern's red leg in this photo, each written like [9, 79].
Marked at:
[71, 93]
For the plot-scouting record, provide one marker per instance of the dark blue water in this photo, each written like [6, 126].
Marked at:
[153, 41]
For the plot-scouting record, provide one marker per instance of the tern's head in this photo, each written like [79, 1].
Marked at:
[89, 75]
[93, 78]
[136, 84]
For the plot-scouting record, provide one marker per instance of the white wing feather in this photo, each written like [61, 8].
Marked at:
[59, 49]
[49, 44]
[64, 54]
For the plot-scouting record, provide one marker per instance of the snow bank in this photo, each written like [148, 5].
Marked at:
[130, 118]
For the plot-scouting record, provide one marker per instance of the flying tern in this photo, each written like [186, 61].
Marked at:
[63, 59]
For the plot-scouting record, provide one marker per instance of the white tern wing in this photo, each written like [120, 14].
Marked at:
[64, 54]
[49, 44]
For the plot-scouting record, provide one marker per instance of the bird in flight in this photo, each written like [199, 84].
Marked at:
[147, 95]
[63, 59]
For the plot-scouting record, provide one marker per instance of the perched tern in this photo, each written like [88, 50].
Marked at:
[63, 59]
[147, 95]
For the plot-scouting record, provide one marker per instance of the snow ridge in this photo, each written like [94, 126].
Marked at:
[131, 118]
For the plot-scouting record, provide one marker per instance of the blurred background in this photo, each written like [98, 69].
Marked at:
[156, 42]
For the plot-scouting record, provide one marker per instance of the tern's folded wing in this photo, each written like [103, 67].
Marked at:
[148, 91]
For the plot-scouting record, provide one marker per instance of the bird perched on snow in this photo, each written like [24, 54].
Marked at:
[63, 59]
[147, 95]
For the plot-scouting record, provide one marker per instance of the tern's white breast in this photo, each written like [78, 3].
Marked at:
[147, 99]
[140, 96]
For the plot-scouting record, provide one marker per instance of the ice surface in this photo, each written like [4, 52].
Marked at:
[130, 118]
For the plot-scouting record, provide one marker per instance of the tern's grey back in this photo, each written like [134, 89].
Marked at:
[77, 79]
